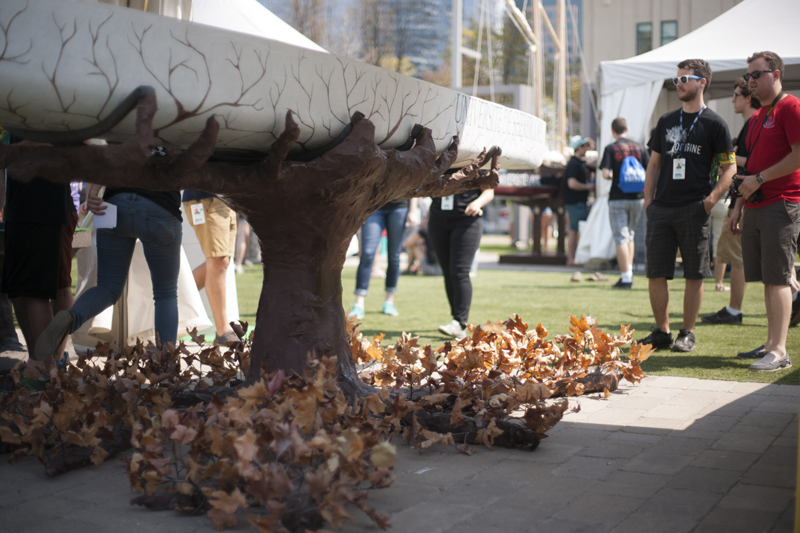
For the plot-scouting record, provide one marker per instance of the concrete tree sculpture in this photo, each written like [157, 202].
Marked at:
[304, 213]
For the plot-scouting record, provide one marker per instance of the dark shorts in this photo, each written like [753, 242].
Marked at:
[669, 229]
[769, 243]
[65, 266]
[32, 260]
[577, 213]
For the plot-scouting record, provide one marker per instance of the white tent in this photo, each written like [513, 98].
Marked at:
[636, 87]
[248, 16]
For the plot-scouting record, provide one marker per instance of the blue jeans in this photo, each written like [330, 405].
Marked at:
[160, 233]
[394, 221]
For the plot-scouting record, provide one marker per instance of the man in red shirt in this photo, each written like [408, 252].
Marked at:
[770, 190]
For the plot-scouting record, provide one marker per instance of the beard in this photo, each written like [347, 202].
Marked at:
[688, 95]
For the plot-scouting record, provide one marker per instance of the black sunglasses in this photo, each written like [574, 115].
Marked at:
[756, 74]
[735, 94]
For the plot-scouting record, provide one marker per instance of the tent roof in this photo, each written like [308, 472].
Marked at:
[725, 42]
[248, 16]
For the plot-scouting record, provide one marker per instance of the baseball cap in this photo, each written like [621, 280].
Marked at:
[576, 141]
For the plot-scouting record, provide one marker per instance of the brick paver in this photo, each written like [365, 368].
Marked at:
[672, 454]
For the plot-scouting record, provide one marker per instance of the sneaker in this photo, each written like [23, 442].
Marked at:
[722, 317]
[758, 353]
[389, 309]
[658, 339]
[356, 312]
[622, 284]
[454, 329]
[239, 269]
[684, 342]
[52, 337]
[795, 319]
[226, 339]
[772, 362]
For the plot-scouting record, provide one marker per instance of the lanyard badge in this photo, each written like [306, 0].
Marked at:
[679, 163]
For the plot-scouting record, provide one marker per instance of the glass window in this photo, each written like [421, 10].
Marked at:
[669, 31]
[644, 37]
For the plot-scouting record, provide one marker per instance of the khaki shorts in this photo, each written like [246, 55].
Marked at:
[769, 243]
[729, 246]
[217, 235]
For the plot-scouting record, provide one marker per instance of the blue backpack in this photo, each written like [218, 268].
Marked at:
[631, 175]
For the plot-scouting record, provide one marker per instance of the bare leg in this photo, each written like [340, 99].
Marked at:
[572, 246]
[33, 315]
[199, 275]
[779, 310]
[389, 297]
[63, 301]
[719, 275]
[738, 286]
[625, 256]
[242, 242]
[216, 268]
[692, 299]
[659, 302]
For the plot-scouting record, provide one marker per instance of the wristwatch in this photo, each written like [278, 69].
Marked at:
[759, 179]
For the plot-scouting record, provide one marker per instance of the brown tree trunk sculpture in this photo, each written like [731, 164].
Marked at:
[304, 214]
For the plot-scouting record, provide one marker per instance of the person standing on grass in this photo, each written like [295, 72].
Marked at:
[576, 192]
[690, 148]
[455, 228]
[729, 246]
[770, 193]
[625, 207]
[392, 217]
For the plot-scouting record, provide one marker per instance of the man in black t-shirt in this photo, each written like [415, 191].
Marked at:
[690, 148]
[624, 208]
[729, 248]
[576, 192]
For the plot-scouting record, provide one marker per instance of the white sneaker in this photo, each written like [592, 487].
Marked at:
[239, 269]
[454, 329]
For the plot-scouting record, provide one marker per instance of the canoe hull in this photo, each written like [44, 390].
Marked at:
[68, 64]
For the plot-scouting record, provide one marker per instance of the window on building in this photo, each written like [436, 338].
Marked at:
[669, 31]
[644, 37]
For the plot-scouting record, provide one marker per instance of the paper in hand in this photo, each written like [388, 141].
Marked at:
[108, 220]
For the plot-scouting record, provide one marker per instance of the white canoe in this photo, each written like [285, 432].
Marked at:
[66, 65]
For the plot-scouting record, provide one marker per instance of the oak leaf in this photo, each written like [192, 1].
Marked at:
[383, 455]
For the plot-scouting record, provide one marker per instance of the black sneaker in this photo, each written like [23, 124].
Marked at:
[722, 317]
[658, 339]
[684, 342]
[623, 285]
[795, 312]
[758, 353]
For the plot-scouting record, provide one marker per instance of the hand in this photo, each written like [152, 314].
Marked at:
[748, 186]
[733, 222]
[95, 205]
[473, 209]
[708, 204]
[412, 220]
[84, 209]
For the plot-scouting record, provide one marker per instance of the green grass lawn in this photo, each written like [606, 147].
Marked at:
[550, 298]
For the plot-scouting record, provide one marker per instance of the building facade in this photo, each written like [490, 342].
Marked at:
[619, 29]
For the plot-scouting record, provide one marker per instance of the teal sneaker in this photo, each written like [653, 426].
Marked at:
[389, 309]
[356, 312]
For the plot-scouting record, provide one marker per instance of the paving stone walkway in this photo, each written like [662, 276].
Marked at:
[671, 454]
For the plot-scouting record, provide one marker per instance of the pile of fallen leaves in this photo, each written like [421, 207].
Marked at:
[500, 384]
[290, 450]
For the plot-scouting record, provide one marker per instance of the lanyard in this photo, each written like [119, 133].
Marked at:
[752, 146]
[685, 139]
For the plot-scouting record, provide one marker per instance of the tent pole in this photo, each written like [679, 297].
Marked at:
[538, 75]
[562, 74]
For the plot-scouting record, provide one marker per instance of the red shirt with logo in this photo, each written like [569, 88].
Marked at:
[769, 143]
